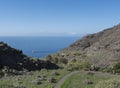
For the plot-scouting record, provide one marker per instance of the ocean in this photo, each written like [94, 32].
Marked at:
[39, 46]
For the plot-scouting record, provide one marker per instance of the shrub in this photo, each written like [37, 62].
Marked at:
[55, 60]
[74, 66]
[94, 68]
[54, 73]
[78, 65]
[116, 68]
[77, 54]
[5, 71]
[87, 82]
[57, 54]
[86, 65]
[49, 57]
[37, 81]
[63, 60]
[73, 60]
[111, 83]
[51, 80]
[42, 77]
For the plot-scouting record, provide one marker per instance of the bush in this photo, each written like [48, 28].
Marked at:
[74, 66]
[49, 57]
[54, 73]
[111, 83]
[6, 71]
[63, 60]
[51, 80]
[116, 68]
[37, 81]
[87, 82]
[77, 54]
[78, 65]
[73, 60]
[86, 65]
[55, 60]
[94, 68]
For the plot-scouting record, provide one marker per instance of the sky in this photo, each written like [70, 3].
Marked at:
[57, 17]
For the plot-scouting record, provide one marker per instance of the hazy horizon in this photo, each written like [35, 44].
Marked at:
[57, 17]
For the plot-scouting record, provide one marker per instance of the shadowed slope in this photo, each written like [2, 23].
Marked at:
[15, 59]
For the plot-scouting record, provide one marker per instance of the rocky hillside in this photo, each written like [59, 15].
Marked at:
[15, 59]
[100, 49]
[108, 39]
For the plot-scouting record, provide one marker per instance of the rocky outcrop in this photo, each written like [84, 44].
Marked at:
[15, 59]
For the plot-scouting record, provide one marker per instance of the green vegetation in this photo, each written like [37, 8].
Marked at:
[111, 83]
[34, 79]
[85, 79]
[63, 61]
[116, 68]
[57, 59]
[78, 65]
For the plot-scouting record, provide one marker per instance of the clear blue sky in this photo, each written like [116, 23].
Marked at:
[57, 17]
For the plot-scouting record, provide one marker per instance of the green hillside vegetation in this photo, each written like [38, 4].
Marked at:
[34, 79]
[91, 80]
[111, 83]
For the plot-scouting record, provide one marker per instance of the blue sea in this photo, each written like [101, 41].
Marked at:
[39, 46]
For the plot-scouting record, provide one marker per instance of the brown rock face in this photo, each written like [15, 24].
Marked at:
[15, 59]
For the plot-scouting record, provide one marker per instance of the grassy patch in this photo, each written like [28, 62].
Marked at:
[85, 80]
[34, 79]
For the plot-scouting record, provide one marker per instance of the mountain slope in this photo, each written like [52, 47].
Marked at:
[102, 40]
[101, 49]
